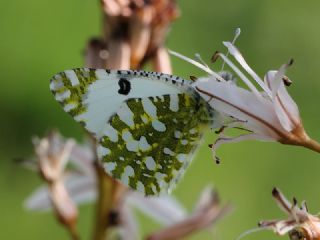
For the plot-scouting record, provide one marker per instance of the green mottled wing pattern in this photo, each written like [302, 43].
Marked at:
[69, 86]
[150, 141]
[147, 124]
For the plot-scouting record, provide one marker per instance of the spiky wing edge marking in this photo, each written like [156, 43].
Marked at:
[70, 87]
[130, 166]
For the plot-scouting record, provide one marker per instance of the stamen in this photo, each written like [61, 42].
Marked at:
[193, 78]
[197, 64]
[199, 58]
[291, 61]
[248, 232]
[215, 57]
[236, 35]
[237, 55]
[240, 74]
[286, 81]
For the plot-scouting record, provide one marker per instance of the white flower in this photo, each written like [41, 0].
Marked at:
[53, 154]
[264, 109]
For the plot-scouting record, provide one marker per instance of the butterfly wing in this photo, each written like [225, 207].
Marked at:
[147, 124]
[92, 96]
[149, 142]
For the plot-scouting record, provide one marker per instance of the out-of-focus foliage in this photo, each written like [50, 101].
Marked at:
[40, 38]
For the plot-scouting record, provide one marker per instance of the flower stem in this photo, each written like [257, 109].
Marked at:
[312, 145]
[108, 204]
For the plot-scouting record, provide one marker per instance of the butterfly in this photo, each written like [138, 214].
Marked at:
[147, 124]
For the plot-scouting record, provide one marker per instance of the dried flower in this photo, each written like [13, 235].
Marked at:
[268, 114]
[207, 211]
[53, 154]
[300, 224]
[79, 185]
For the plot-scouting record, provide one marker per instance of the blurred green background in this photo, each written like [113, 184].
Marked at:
[40, 38]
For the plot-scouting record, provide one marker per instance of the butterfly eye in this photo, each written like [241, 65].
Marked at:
[299, 234]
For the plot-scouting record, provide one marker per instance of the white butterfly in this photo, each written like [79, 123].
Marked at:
[147, 124]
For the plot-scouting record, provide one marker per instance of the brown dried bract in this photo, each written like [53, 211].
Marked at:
[137, 29]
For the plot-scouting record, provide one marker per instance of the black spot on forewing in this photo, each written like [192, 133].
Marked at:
[125, 86]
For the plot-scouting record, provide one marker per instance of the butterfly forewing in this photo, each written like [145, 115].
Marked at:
[147, 124]
[92, 96]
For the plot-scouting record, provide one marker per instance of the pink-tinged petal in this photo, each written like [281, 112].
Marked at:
[165, 209]
[82, 189]
[202, 218]
[283, 227]
[277, 79]
[286, 109]
[280, 227]
[257, 113]
[39, 200]
[243, 137]
[207, 196]
[129, 224]
[53, 154]
[63, 204]
[83, 158]
[283, 203]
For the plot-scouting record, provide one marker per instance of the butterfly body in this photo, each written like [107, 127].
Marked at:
[147, 124]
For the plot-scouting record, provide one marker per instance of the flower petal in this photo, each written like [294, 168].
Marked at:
[250, 136]
[165, 209]
[53, 154]
[286, 109]
[39, 200]
[63, 204]
[83, 157]
[82, 189]
[129, 225]
[256, 113]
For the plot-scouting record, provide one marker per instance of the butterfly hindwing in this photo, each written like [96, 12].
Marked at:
[150, 141]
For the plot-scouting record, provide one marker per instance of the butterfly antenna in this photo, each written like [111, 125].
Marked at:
[236, 35]
[248, 232]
